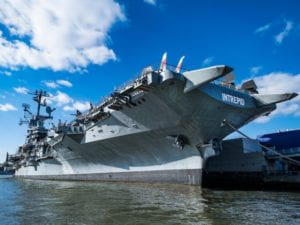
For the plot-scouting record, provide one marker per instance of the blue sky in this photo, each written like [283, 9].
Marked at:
[79, 53]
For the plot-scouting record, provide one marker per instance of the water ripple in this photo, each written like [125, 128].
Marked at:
[79, 203]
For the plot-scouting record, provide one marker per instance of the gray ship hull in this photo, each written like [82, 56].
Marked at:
[190, 177]
[151, 131]
[133, 144]
[135, 163]
[241, 163]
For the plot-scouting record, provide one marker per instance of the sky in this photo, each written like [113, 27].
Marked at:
[81, 52]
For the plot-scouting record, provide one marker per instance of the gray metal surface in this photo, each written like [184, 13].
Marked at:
[191, 177]
[159, 128]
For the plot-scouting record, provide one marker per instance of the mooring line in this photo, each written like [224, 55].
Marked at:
[261, 145]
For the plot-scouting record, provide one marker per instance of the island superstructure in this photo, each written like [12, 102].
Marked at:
[159, 128]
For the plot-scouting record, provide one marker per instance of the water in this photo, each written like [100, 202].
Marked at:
[56, 202]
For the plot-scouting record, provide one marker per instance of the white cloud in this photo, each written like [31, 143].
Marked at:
[151, 2]
[207, 61]
[62, 35]
[65, 83]
[77, 105]
[51, 84]
[60, 98]
[6, 73]
[58, 83]
[275, 83]
[7, 107]
[21, 90]
[22, 81]
[255, 70]
[263, 119]
[67, 103]
[283, 34]
[278, 82]
[262, 29]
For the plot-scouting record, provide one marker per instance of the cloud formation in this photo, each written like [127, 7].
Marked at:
[207, 61]
[58, 83]
[278, 82]
[77, 105]
[151, 2]
[51, 84]
[262, 29]
[60, 98]
[283, 34]
[65, 83]
[56, 34]
[279, 37]
[255, 70]
[67, 103]
[21, 90]
[6, 73]
[7, 107]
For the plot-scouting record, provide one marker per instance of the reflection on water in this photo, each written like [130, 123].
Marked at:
[57, 202]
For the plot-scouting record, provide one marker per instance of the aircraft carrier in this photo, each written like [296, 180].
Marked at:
[161, 127]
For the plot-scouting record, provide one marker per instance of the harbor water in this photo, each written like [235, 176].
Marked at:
[58, 202]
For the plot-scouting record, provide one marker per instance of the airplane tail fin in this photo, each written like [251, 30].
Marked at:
[163, 64]
[179, 65]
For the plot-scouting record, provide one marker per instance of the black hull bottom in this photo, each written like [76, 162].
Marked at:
[232, 180]
[250, 180]
[191, 177]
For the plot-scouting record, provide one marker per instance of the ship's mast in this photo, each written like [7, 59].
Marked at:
[38, 97]
[37, 120]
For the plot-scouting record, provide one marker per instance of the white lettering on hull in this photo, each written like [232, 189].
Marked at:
[233, 99]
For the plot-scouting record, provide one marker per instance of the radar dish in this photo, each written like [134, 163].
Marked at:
[48, 110]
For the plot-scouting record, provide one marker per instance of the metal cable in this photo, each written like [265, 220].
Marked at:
[293, 161]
